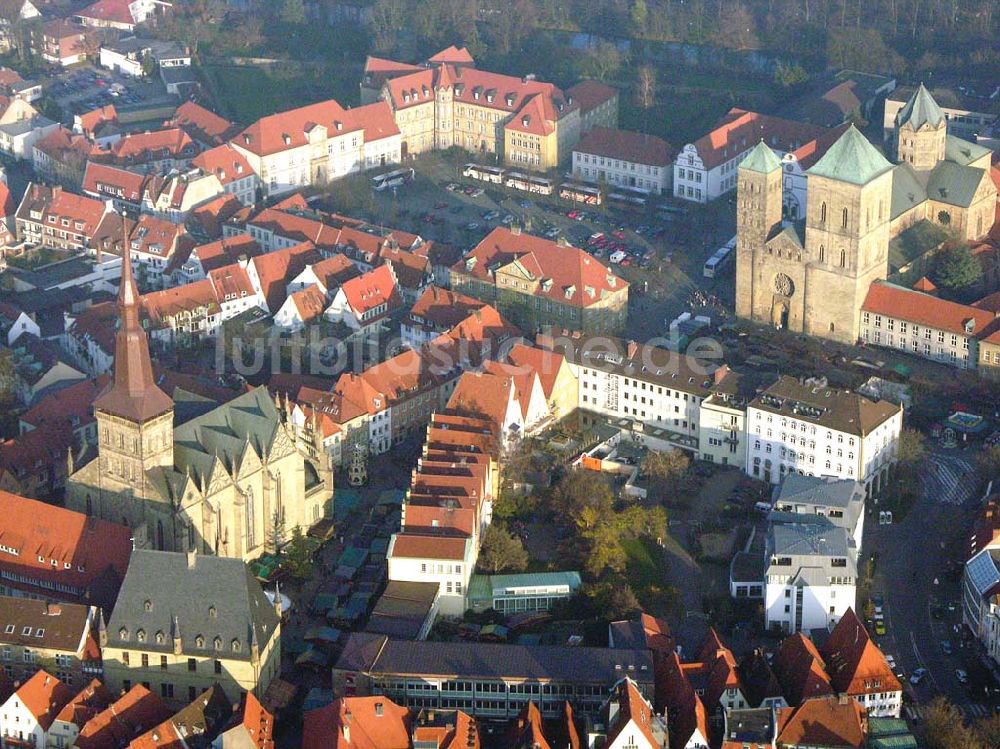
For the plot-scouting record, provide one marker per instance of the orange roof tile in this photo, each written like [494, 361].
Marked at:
[231, 282]
[357, 723]
[109, 181]
[224, 252]
[276, 269]
[855, 664]
[128, 717]
[44, 696]
[201, 124]
[310, 302]
[211, 215]
[543, 362]
[434, 520]
[799, 669]
[279, 132]
[89, 546]
[576, 277]
[85, 704]
[923, 309]
[809, 153]
[453, 56]
[528, 731]
[158, 144]
[199, 295]
[443, 308]
[90, 121]
[71, 405]
[823, 721]
[740, 130]
[414, 546]
[225, 162]
[372, 289]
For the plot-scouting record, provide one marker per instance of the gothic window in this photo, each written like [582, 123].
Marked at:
[147, 605]
[822, 213]
[843, 259]
[880, 210]
[843, 218]
[822, 254]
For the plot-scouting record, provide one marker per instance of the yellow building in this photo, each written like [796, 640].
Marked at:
[184, 622]
[449, 102]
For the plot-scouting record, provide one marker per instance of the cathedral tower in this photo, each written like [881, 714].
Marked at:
[758, 213]
[921, 132]
[848, 205]
[134, 416]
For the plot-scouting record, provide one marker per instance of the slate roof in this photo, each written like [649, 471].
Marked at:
[170, 594]
[954, 184]
[851, 159]
[835, 409]
[962, 151]
[365, 652]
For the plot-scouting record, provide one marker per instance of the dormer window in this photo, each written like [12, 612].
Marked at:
[525, 120]
[236, 646]
[287, 139]
[123, 633]
[212, 612]
[159, 637]
[147, 605]
[199, 641]
[140, 635]
[217, 643]
[570, 291]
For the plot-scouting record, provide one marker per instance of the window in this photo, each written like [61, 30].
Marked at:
[145, 660]
[192, 664]
[217, 666]
[163, 663]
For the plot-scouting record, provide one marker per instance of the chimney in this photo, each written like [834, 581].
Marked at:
[379, 709]
[720, 373]
[515, 229]
[191, 559]
[52, 609]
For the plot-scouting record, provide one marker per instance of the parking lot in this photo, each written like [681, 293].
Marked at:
[85, 88]
[660, 253]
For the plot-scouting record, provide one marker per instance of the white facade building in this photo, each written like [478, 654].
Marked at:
[981, 598]
[446, 560]
[808, 428]
[621, 158]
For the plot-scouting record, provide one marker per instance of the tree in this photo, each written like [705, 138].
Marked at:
[293, 12]
[912, 449]
[298, 562]
[956, 271]
[944, 727]
[645, 86]
[148, 65]
[638, 17]
[790, 74]
[617, 600]
[988, 465]
[276, 534]
[988, 730]
[603, 62]
[501, 551]
[580, 489]
[666, 471]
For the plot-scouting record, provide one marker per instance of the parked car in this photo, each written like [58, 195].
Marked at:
[918, 675]
[946, 647]
[962, 676]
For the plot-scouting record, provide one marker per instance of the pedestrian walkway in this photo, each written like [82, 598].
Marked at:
[949, 479]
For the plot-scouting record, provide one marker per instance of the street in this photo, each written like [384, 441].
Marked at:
[915, 572]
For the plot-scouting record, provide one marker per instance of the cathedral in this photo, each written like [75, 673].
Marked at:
[231, 481]
[812, 276]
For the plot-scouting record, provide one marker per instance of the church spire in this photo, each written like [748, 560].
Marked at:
[133, 393]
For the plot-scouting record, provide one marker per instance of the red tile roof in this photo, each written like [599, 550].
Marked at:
[169, 142]
[276, 269]
[799, 669]
[923, 309]
[72, 405]
[371, 289]
[809, 153]
[626, 145]
[231, 282]
[201, 124]
[576, 277]
[112, 182]
[90, 121]
[211, 215]
[44, 696]
[191, 297]
[225, 162]
[740, 130]
[990, 303]
[925, 285]
[528, 731]
[855, 664]
[224, 252]
[90, 547]
[56, 204]
[443, 308]
[279, 132]
[310, 302]
[132, 714]
[155, 236]
[453, 56]
[412, 546]
[686, 709]
[86, 703]
[116, 11]
[430, 519]
[357, 723]
[824, 721]
[335, 270]
[591, 94]
[39, 453]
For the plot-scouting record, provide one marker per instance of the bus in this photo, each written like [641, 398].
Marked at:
[493, 174]
[627, 198]
[580, 193]
[393, 179]
[718, 262]
[527, 183]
